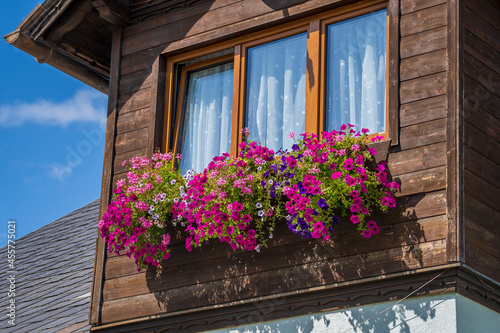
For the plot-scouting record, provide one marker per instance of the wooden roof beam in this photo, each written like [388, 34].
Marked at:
[51, 56]
[113, 12]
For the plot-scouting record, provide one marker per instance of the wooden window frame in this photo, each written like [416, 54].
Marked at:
[182, 92]
[316, 28]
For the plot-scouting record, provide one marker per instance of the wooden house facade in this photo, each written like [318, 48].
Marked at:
[442, 144]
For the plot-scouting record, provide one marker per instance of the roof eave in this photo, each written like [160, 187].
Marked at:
[54, 57]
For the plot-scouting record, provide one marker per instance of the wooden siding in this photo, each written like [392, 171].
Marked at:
[412, 236]
[481, 80]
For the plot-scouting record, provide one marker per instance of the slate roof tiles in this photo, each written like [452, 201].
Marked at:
[54, 267]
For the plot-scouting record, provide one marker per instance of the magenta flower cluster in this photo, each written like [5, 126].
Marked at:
[239, 200]
[327, 179]
[136, 220]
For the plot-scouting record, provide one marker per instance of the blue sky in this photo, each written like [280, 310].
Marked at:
[51, 136]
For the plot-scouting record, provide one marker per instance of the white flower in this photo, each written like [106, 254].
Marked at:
[176, 200]
[181, 188]
[270, 236]
[152, 207]
[151, 212]
[156, 217]
[288, 217]
[259, 168]
[270, 181]
[260, 213]
[258, 205]
[257, 248]
[173, 181]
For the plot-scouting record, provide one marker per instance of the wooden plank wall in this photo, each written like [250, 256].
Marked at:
[481, 80]
[412, 236]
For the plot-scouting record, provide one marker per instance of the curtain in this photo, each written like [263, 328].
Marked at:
[356, 72]
[206, 129]
[276, 87]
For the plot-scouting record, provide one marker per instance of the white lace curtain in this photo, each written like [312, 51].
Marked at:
[356, 75]
[276, 87]
[206, 130]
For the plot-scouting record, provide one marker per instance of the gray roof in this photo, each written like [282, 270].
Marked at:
[53, 281]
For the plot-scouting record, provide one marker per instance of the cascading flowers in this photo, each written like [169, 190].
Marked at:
[228, 202]
[325, 179]
[136, 220]
[237, 200]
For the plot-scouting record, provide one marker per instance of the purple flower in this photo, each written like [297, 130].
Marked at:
[295, 147]
[301, 187]
[335, 220]
[322, 204]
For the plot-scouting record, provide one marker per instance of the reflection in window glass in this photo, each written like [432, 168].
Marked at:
[206, 129]
[276, 88]
[356, 73]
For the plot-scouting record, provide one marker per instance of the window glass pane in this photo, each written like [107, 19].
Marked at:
[206, 129]
[356, 73]
[276, 88]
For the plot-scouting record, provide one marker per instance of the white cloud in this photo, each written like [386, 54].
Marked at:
[85, 106]
[59, 171]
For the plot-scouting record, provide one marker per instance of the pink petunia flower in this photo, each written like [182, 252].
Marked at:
[367, 233]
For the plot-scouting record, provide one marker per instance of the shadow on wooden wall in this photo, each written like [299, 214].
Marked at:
[216, 274]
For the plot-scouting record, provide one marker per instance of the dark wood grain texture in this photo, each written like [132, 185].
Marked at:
[481, 32]
[424, 87]
[107, 175]
[422, 20]
[409, 6]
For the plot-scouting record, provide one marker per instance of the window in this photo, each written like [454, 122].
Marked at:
[356, 72]
[205, 129]
[276, 91]
[310, 75]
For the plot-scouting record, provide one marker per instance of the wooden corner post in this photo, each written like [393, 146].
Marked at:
[118, 16]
